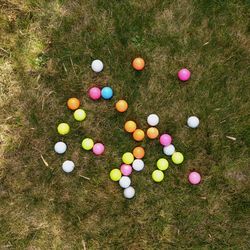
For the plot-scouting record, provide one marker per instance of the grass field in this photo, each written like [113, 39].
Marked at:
[46, 48]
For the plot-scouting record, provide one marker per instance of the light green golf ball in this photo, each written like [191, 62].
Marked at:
[80, 115]
[128, 158]
[87, 144]
[115, 174]
[177, 157]
[158, 175]
[162, 164]
[63, 128]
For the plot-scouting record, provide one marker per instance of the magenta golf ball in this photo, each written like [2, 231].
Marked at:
[165, 139]
[126, 169]
[98, 149]
[184, 74]
[194, 178]
[95, 93]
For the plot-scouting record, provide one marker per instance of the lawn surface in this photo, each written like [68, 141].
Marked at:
[46, 48]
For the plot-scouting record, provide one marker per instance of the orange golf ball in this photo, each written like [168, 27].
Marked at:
[130, 126]
[73, 103]
[152, 133]
[138, 152]
[138, 63]
[138, 135]
[121, 106]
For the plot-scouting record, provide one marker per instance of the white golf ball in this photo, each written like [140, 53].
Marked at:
[153, 119]
[125, 182]
[97, 65]
[138, 165]
[193, 122]
[68, 166]
[169, 150]
[60, 147]
[129, 192]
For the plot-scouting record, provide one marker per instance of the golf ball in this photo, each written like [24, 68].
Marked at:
[126, 169]
[138, 165]
[138, 134]
[68, 166]
[97, 66]
[194, 178]
[63, 128]
[121, 106]
[125, 182]
[87, 144]
[153, 119]
[98, 149]
[139, 152]
[115, 174]
[80, 115]
[130, 126]
[60, 147]
[138, 63]
[73, 103]
[152, 132]
[184, 74]
[129, 192]
[193, 122]
[169, 150]
[128, 158]
[94, 93]
[165, 139]
[107, 93]
[162, 164]
[177, 157]
[157, 175]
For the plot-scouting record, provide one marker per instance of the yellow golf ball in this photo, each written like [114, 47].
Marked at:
[177, 157]
[128, 158]
[115, 174]
[158, 175]
[63, 128]
[87, 144]
[80, 115]
[162, 164]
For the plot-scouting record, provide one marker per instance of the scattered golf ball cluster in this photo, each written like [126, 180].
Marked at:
[153, 120]
[64, 128]
[130, 161]
[168, 148]
[158, 175]
[95, 93]
[137, 133]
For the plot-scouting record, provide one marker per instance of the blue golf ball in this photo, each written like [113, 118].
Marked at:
[107, 93]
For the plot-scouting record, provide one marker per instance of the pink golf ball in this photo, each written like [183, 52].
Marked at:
[194, 178]
[98, 149]
[95, 93]
[126, 169]
[165, 139]
[184, 74]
